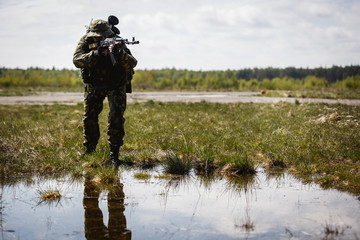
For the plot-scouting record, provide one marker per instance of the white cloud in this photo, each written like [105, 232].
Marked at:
[188, 34]
[317, 8]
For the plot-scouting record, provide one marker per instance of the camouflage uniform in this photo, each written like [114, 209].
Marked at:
[102, 80]
[94, 225]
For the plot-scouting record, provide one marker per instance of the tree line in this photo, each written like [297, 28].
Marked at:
[290, 78]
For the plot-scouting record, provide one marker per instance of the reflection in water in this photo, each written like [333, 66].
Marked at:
[241, 184]
[94, 225]
[266, 206]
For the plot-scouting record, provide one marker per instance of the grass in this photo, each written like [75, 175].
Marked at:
[49, 196]
[239, 165]
[25, 91]
[142, 176]
[316, 142]
[106, 175]
[177, 164]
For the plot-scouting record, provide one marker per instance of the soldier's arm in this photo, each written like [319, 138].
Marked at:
[126, 59]
[83, 56]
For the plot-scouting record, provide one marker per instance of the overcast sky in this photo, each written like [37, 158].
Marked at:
[191, 34]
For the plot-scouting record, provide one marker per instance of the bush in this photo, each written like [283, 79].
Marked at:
[315, 83]
[349, 83]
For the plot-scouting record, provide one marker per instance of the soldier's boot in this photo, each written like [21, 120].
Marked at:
[114, 155]
[88, 150]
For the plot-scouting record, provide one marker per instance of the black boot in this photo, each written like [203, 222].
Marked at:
[114, 155]
[89, 149]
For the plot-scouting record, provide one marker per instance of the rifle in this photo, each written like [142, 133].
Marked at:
[111, 42]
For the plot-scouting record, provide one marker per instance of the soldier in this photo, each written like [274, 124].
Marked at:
[103, 79]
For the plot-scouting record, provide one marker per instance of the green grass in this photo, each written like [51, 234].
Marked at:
[238, 165]
[175, 164]
[25, 91]
[316, 142]
[142, 176]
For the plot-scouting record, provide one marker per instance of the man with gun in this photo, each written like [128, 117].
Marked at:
[106, 68]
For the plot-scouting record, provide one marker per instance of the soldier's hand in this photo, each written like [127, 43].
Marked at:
[101, 51]
[116, 49]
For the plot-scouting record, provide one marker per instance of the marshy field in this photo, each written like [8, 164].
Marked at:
[315, 142]
[287, 169]
[250, 154]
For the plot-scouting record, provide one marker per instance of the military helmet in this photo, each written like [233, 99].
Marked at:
[99, 28]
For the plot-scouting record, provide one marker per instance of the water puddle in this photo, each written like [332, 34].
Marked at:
[261, 207]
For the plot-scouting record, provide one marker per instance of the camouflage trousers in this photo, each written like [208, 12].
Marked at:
[94, 225]
[93, 105]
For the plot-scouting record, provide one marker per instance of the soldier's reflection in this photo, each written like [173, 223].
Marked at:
[94, 225]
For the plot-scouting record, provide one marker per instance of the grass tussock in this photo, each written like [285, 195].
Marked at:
[49, 195]
[239, 165]
[175, 164]
[272, 161]
[105, 175]
[315, 142]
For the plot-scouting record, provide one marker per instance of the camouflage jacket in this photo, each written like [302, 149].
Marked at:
[99, 70]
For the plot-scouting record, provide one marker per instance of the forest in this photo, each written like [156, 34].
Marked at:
[247, 79]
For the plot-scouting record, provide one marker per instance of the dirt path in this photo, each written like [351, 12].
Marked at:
[72, 98]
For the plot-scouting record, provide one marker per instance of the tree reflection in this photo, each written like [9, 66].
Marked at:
[94, 225]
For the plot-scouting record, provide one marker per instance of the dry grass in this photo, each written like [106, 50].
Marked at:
[49, 195]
